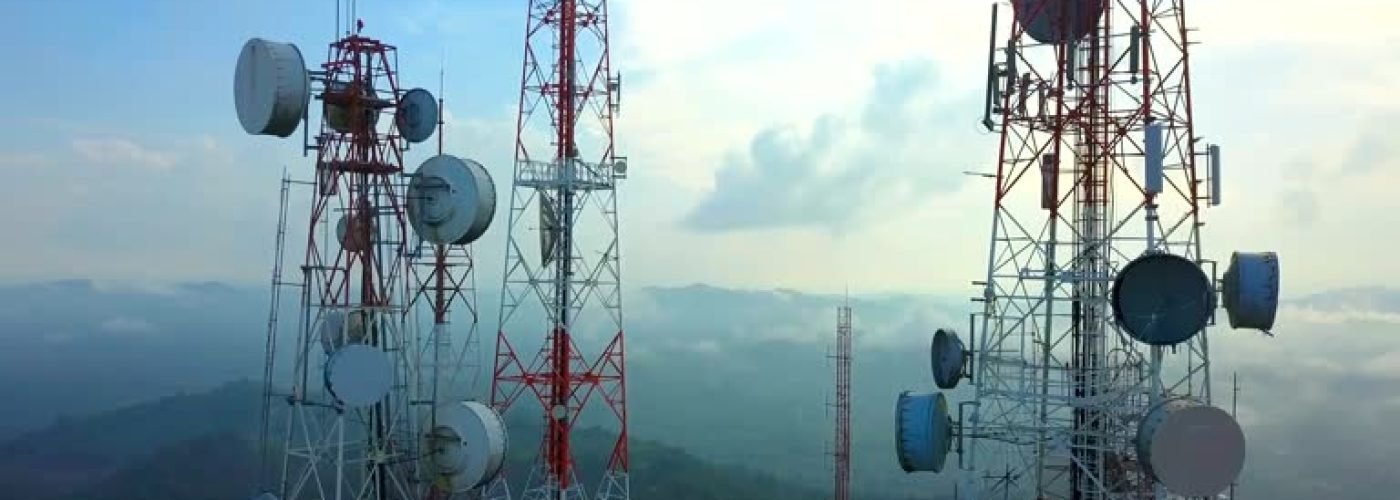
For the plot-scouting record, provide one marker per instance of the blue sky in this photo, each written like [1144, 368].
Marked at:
[125, 161]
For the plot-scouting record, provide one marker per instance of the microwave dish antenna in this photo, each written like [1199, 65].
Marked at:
[417, 115]
[271, 88]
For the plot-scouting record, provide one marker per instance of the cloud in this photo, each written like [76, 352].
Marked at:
[57, 337]
[843, 169]
[214, 151]
[1299, 206]
[23, 159]
[1244, 23]
[879, 322]
[1342, 316]
[704, 346]
[1375, 146]
[122, 152]
[127, 326]
[1372, 300]
[440, 18]
[1385, 365]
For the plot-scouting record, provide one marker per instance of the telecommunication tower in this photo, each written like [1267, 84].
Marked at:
[367, 414]
[1090, 376]
[562, 258]
[841, 452]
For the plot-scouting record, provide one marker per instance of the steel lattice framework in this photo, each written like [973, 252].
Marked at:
[445, 281]
[841, 454]
[330, 450]
[1058, 387]
[562, 256]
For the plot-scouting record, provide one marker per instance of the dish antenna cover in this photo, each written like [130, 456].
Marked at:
[1193, 450]
[923, 431]
[549, 229]
[468, 445]
[336, 334]
[451, 201]
[271, 88]
[1250, 290]
[1162, 299]
[359, 375]
[417, 115]
[337, 111]
[948, 357]
[1058, 21]
[353, 233]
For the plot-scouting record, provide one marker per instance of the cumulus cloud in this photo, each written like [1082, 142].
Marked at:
[842, 169]
[122, 152]
[1375, 146]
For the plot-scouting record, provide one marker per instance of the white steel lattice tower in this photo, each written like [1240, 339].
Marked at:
[562, 279]
[1092, 349]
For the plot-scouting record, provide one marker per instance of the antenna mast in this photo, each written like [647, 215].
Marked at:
[1093, 347]
[371, 402]
[564, 207]
[841, 454]
[344, 404]
[1234, 412]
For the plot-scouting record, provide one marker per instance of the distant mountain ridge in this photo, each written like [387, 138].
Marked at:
[202, 446]
[740, 377]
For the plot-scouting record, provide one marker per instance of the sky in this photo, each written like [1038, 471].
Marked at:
[774, 144]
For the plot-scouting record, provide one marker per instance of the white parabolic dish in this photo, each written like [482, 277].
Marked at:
[1058, 21]
[359, 375]
[270, 88]
[923, 431]
[451, 201]
[1192, 449]
[340, 119]
[361, 236]
[947, 359]
[336, 334]
[469, 444]
[1250, 290]
[417, 116]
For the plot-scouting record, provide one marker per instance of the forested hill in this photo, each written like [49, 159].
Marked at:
[201, 446]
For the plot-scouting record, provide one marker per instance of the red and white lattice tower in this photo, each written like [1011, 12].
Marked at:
[1090, 373]
[375, 408]
[562, 281]
[348, 424]
[841, 451]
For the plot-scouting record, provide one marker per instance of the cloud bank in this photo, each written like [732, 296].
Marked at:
[844, 167]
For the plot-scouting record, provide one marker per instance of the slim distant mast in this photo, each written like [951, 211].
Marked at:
[841, 452]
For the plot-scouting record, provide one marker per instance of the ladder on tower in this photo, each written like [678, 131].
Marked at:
[272, 315]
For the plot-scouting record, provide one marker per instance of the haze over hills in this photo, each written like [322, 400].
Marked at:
[202, 446]
[740, 377]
